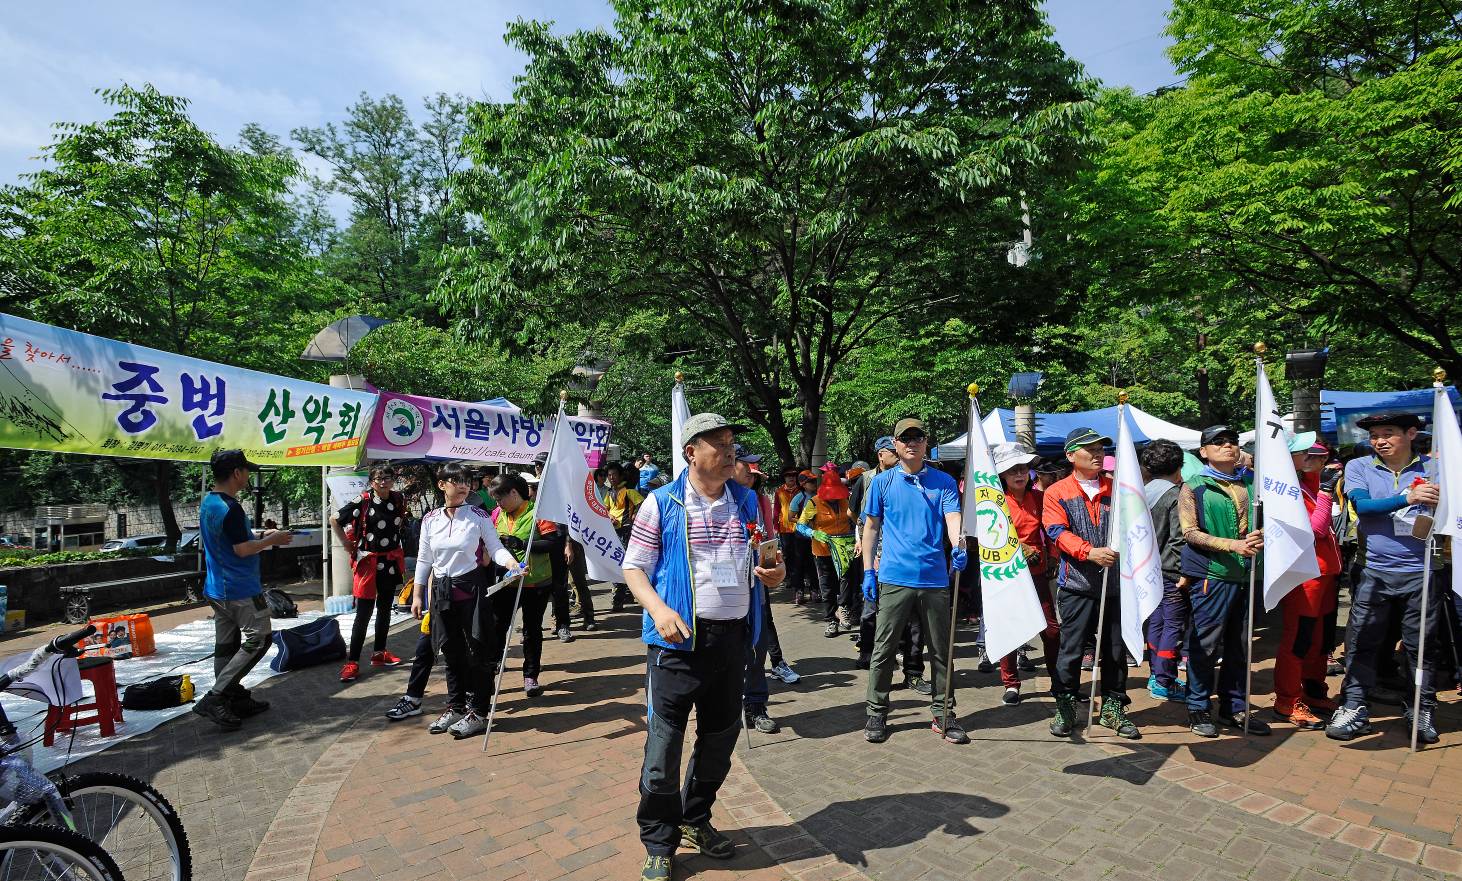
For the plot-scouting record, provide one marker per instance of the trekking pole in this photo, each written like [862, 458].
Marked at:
[973, 389]
[497, 686]
[1426, 577]
[1249, 622]
[1096, 657]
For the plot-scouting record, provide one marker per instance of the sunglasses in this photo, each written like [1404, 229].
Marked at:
[913, 438]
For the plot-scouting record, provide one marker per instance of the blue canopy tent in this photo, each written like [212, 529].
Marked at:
[1340, 410]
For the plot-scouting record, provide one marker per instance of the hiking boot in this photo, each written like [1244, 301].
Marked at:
[710, 841]
[1178, 691]
[1063, 724]
[1257, 727]
[565, 635]
[949, 728]
[783, 671]
[830, 630]
[845, 618]
[469, 725]
[1298, 715]
[919, 684]
[657, 868]
[756, 717]
[1011, 697]
[445, 721]
[349, 672]
[1114, 716]
[875, 730]
[1200, 722]
[1426, 728]
[405, 708]
[1023, 660]
[985, 666]
[384, 659]
[1349, 723]
[1088, 660]
[531, 687]
[214, 710]
[864, 662]
[245, 705]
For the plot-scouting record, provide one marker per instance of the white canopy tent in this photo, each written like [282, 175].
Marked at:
[1051, 429]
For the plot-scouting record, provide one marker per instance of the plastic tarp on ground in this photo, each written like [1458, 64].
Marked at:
[1052, 428]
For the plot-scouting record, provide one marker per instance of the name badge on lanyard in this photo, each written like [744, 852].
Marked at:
[723, 573]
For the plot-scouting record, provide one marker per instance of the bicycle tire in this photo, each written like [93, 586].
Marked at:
[74, 849]
[123, 790]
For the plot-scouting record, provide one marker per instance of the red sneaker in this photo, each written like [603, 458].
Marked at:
[349, 671]
[384, 659]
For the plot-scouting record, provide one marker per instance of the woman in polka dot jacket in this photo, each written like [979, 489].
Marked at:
[370, 528]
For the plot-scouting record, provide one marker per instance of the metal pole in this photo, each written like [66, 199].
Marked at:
[1249, 619]
[1426, 577]
[1096, 657]
[326, 538]
[958, 542]
[497, 687]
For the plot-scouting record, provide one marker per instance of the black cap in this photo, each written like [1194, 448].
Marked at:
[225, 462]
[1400, 420]
[1080, 437]
[1214, 433]
[745, 455]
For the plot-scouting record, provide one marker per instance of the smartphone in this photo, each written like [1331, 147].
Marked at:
[767, 552]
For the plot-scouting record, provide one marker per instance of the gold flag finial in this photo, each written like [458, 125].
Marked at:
[1260, 349]
[1439, 375]
[973, 388]
[1122, 398]
[679, 377]
[563, 395]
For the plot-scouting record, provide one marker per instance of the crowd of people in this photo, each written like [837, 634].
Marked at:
[875, 552]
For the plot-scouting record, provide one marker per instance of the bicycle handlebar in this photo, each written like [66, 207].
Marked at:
[61, 645]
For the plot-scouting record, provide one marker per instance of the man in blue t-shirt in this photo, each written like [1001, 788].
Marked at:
[1387, 491]
[232, 587]
[915, 510]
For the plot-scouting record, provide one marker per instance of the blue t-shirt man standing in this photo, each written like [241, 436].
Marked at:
[915, 509]
[240, 615]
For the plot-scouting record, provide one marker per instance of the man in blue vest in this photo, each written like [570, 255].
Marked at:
[690, 563]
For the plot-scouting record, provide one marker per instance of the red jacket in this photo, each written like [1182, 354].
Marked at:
[1076, 524]
[1025, 516]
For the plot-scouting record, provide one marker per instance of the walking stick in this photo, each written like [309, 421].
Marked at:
[973, 389]
[497, 686]
[1249, 621]
[1096, 658]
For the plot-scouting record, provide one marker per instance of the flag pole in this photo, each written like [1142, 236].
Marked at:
[497, 687]
[1259, 349]
[1096, 656]
[1439, 376]
[973, 410]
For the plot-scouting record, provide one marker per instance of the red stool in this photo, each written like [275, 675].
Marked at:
[103, 678]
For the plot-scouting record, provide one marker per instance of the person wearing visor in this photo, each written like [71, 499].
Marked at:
[1389, 490]
[690, 564]
[1013, 464]
[1300, 663]
[914, 510]
[1213, 511]
[1077, 512]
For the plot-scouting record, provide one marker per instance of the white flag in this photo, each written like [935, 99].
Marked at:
[1447, 451]
[1012, 611]
[1289, 540]
[567, 495]
[679, 415]
[1140, 559]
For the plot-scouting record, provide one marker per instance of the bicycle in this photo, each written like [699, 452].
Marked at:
[138, 829]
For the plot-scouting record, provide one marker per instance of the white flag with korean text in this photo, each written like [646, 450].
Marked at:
[1012, 611]
[679, 415]
[1139, 558]
[1289, 540]
[567, 496]
[1447, 450]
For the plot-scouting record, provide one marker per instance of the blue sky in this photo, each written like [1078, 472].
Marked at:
[285, 65]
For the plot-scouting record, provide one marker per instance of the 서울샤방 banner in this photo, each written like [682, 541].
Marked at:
[73, 392]
[407, 426]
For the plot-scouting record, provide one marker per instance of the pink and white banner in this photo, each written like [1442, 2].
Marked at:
[408, 427]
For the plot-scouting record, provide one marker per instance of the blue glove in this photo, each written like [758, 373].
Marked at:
[960, 559]
[870, 585]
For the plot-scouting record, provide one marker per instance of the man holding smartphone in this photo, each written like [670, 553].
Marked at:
[241, 627]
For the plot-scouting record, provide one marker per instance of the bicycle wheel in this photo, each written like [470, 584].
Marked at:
[129, 818]
[39, 852]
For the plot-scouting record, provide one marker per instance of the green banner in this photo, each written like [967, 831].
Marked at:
[76, 393]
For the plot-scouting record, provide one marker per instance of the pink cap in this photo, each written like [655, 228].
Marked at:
[1109, 463]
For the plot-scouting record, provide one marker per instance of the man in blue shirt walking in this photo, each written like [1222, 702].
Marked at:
[240, 614]
[1386, 490]
[915, 510]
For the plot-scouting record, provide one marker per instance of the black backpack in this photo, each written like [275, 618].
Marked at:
[281, 605]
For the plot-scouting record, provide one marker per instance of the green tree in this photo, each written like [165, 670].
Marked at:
[790, 179]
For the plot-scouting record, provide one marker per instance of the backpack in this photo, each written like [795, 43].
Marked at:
[281, 605]
[161, 693]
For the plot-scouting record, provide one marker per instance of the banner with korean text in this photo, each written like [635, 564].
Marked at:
[408, 426]
[72, 392]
